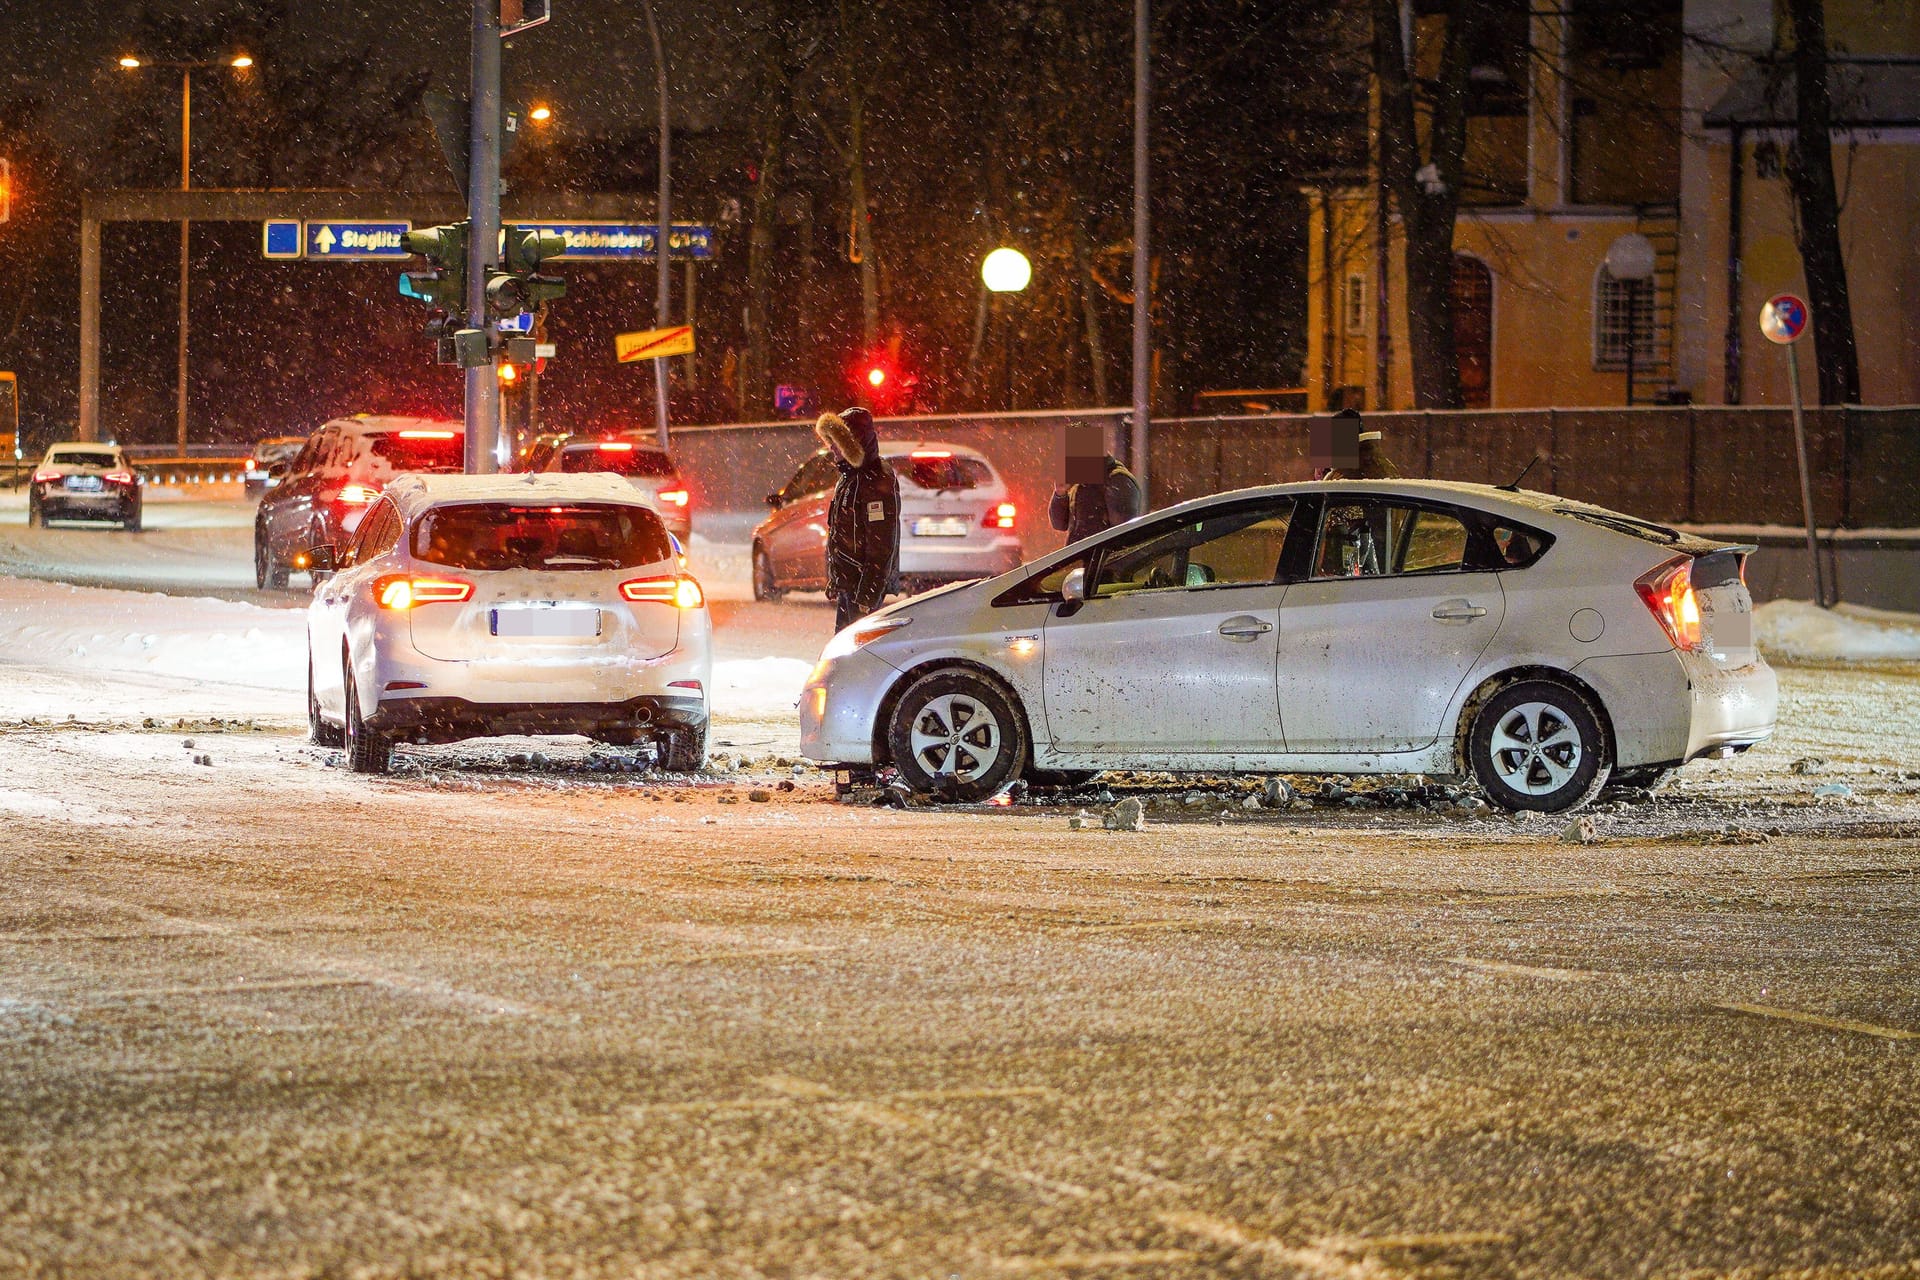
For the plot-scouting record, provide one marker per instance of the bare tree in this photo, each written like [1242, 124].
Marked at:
[1817, 206]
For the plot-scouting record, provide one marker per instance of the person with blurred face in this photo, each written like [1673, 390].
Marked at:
[1096, 491]
[1343, 451]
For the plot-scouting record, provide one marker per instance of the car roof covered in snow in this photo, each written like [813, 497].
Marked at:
[375, 424]
[413, 494]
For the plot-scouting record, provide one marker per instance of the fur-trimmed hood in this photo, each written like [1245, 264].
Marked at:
[850, 435]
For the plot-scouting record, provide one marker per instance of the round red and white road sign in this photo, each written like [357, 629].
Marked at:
[1783, 319]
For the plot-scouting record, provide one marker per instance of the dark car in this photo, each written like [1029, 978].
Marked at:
[272, 452]
[85, 482]
[326, 490]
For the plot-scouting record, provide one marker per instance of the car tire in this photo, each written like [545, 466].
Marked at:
[1537, 745]
[765, 585]
[268, 572]
[681, 750]
[368, 750]
[1061, 779]
[957, 734]
[319, 731]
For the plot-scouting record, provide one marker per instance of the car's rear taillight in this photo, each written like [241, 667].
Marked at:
[1000, 517]
[681, 592]
[45, 474]
[355, 494]
[404, 591]
[1668, 593]
[252, 465]
[119, 477]
[678, 497]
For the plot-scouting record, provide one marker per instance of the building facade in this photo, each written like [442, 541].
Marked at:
[1625, 212]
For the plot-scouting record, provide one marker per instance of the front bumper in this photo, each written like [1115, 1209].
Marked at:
[443, 719]
[840, 708]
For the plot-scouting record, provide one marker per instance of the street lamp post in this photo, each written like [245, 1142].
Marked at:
[239, 62]
[1006, 272]
[663, 230]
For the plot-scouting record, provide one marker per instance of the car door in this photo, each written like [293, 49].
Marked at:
[286, 511]
[1392, 616]
[797, 539]
[330, 613]
[1169, 661]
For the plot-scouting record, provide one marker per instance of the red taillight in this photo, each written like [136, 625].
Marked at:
[931, 453]
[119, 477]
[403, 591]
[678, 497]
[1001, 517]
[355, 494]
[45, 474]
[428, 435]
[681, 592]
[615, 446]
[1668, 592]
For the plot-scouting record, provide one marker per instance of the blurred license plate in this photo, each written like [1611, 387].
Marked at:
[84, 484]
[566, 623]
[939, 527]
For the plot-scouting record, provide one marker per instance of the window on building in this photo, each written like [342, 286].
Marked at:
[1622, 316]
[1353, 304]
[1473, 330]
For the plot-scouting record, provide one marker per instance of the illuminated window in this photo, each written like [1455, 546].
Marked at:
[1622, 313]
[1353, 304]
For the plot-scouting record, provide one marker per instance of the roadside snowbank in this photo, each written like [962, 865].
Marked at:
[1845, 633]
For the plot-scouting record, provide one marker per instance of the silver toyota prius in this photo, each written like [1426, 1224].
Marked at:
[1539, 644]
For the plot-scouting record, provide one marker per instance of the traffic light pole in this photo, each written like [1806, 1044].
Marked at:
[483, 239]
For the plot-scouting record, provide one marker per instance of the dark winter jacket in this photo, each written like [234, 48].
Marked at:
[1083, 510]
[1374, 462]
[863, 524]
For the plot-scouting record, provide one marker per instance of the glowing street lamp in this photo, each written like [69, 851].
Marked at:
[130, 62]
[541, 114]
[1006, 271]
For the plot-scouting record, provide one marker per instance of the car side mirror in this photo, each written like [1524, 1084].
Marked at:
[278, 471]
[773, 500]
[319, 560]
[1074, 585]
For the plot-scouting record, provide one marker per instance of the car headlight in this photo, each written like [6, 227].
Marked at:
[860, 634]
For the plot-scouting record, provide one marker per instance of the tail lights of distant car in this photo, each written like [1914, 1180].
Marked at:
[931, 453]
[355, 494]
[44, 474]
[1000, 517]
[678, 497]
[1668, 593]
[118, 477]
[403, 591]
[615, 446]
[682, 592]
[427, 435]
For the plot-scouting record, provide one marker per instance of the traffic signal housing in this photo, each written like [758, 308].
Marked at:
[519, 285]
[443, 287]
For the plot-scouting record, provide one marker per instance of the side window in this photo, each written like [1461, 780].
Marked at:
[1516, 547]
[302, 460]
[1236, 547]
[366, 541]
[1364, 538]
[815, 474]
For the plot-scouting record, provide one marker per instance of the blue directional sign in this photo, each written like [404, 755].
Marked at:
[357, 240]
[280, 238]
[522, 323]
[616, 240]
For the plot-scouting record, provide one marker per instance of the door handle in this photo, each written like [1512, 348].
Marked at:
[1458, 611]
[1244, 627]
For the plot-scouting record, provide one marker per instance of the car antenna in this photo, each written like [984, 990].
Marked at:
[1513, 486]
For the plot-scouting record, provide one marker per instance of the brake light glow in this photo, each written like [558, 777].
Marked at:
[427, 435]
[119, 477]
[932, 453]
[682, 592]
[615, 446]
[355, 494]
[252, 465]
[402, 591]
[1668, 593]
[678, 497]
[1001, 517]
[45, 474]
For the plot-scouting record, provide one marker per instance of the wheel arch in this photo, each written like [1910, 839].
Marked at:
[1493, 684]
[883, 716]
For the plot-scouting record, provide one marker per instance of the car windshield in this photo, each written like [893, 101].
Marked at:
[80, 458]
[942, 471]
[421, 450]
[502, 536]
[620, 458]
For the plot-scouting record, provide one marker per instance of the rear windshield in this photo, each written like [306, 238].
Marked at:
[495, 535]
[1630, 525]
[425, 452]
[621, 462]
[942, 473]
[81, 458]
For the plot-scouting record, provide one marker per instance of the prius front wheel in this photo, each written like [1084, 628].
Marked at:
[956, 734]
[1538, 746]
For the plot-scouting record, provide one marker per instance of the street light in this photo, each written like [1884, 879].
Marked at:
[238, 62]
[541, 114]
[1006, 271]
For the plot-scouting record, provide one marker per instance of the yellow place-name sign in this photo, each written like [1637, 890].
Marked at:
[653, 344]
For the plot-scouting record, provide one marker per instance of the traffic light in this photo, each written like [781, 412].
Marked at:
[519, 286]
[443, 288]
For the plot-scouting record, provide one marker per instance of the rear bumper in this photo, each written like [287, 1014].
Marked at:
[440, 719]
[1670, 707]
[109, 504]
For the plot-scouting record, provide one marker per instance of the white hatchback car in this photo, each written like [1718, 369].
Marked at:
[648, 469]
[956, 520]
[472, 606]
[1403, 626]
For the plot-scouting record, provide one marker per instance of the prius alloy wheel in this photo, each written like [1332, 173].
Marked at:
[957, 735]
[1538, 745]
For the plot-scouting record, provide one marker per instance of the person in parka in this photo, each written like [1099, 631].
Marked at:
[1099, 492]
[1355, 453]
[863, 524]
